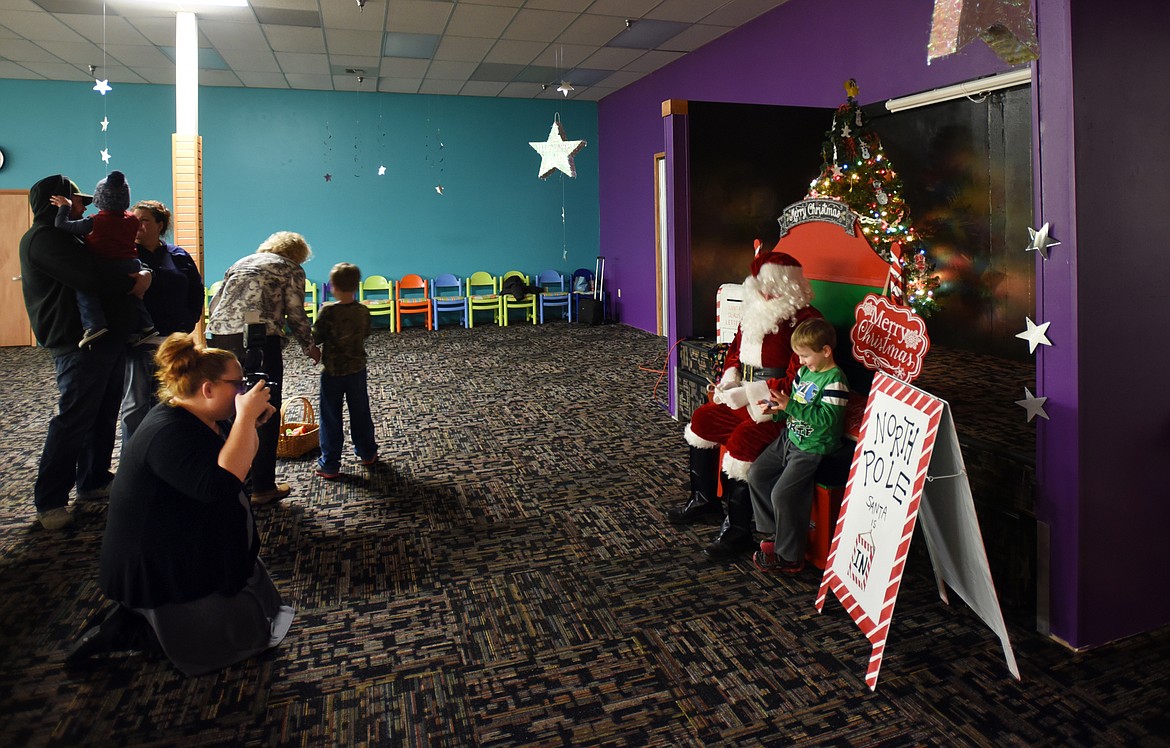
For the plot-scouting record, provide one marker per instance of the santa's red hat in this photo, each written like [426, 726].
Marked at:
[772, 257]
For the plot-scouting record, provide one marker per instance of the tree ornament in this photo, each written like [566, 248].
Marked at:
[1035, 334]
[846, 132]
[556, 153]
[1034, 405]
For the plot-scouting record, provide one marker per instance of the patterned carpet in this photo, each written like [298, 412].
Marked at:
[509, 579]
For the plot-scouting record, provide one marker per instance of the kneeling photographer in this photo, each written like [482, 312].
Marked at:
[266, 288]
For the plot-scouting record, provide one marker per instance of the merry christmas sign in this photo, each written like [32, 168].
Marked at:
[889, 338]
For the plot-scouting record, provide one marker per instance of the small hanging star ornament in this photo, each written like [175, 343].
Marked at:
[328, 177]
[565, 88]
[1041, 241]
[1034, 405]
[1034, 334]
[836, 170]
[381, 171]
[556, 153]
[104, 123]
[438, 189]
[102, 86]
[106, 155]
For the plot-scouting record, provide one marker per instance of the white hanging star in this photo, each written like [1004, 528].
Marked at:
[1034, 334]
[1034, 405]
[104, 123]
[106, 155]
[1040, 240]
[439, 189]
[836, 170]
[565, 88]
[381, 171]
[102, 86]
[556, 153]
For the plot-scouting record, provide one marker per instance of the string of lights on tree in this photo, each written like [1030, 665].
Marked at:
[856, 171]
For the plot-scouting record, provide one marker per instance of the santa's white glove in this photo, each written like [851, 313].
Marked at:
[729, 379]
[728, 383]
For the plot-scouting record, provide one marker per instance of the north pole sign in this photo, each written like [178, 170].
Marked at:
[889, 338]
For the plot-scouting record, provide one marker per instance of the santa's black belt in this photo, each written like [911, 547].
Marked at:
[763, 372]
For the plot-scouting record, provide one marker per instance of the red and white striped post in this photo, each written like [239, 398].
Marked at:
[895, 285]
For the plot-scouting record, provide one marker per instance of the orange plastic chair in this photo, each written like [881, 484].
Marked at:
[411, 296]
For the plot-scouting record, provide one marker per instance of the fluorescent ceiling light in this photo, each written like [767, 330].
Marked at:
[970, 88]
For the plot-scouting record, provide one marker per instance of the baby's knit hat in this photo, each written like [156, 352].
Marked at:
[112, 193]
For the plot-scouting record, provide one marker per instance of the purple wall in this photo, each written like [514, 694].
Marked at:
[1097, 181]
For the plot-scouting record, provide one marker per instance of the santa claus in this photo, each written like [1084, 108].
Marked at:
[776, 299]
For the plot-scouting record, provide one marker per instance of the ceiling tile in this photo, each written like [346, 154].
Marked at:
[139, 55]
[21, 50]
[538, 74]
[40, 27]
[592, 30]
[159, 76]
[686, 11]
[285, 4]
[538, 25]
[295, 39]
[647, 34]
[739, 12]
[403, 67]
[12, 70]
[418, 16]
[441, 87]
[340, 63]
[593, 93]
[302, 64]
[218, 78]
[585, 76]
[482, 88]
[613, 58]
[116, 30]
[575, 6]
[496, 71]
[160, 31]
[564, 56]
[419, 46]
[77, 53]
[349, 82]
[59, 71]
[450, 70]
[232, 35]
[310, 82]
[279, 17]
[520, 91]
[513, 51]
[694, 37]
[399, 85]
[349, 15]
[253, 79]
[653, 60]
[623, 8]
[479, 20]
[259, 60]
[350, 42]
[463, 48]
[623, 78]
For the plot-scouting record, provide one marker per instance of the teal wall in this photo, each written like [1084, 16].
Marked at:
[266, 151]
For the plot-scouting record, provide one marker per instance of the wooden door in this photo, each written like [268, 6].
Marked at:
[15, 218]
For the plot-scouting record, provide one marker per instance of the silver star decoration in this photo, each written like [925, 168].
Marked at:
[104, 123]
[1034, 405]
[106, 155]
[102, 86]
[328, 177]
[556, 153]
[381, 171]
[439, 189]
[1034, 334]
[565, 88]
[1041, 241]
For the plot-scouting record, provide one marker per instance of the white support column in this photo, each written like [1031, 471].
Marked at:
[186, 74]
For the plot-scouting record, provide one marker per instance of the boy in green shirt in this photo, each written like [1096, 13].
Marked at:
[781, 478]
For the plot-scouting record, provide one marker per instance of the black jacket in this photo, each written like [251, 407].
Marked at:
[55, 265]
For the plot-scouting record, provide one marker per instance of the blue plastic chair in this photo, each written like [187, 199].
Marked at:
[447, 296]
[555, 295]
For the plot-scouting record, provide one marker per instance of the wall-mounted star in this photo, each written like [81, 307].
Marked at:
[381, 171]
[556, 153]
[438, 189]
[104, 123]
[1041, 241]
[102, 86]
[1034, 334]
[328, 177]
[1034, 405]
[106, 155]
[565, 88]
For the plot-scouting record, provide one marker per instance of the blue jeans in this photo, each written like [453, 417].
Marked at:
[80, 441]
[93, 315]
[352, 389]
[141, 386]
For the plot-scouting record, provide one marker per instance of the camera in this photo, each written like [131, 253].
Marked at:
[255, 335]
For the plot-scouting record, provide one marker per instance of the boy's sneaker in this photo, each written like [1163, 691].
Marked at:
[769, 563]
[149, 336]
[326, 474]
[91, 335]
[370, 462]
[55, 519]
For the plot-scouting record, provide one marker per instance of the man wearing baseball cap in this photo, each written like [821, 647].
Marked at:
[54, 266]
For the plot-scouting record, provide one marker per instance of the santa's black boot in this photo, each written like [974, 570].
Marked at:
[735, 536]
[703, 503]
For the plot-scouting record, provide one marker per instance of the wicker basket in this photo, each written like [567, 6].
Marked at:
[309, 438]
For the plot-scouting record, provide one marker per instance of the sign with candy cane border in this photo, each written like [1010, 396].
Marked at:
[952, 534]
[851, 576]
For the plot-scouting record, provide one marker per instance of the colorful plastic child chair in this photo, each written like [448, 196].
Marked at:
[447, 296]
[411, 296]
[377, 293]
[508, 302]
[311, 305]
[554, 294]
[483, 295]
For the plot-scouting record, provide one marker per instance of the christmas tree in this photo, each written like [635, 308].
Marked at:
[856, 171]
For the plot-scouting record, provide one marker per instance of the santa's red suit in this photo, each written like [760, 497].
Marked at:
[776, 300]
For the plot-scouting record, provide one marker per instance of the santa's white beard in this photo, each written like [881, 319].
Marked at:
[762, 317]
